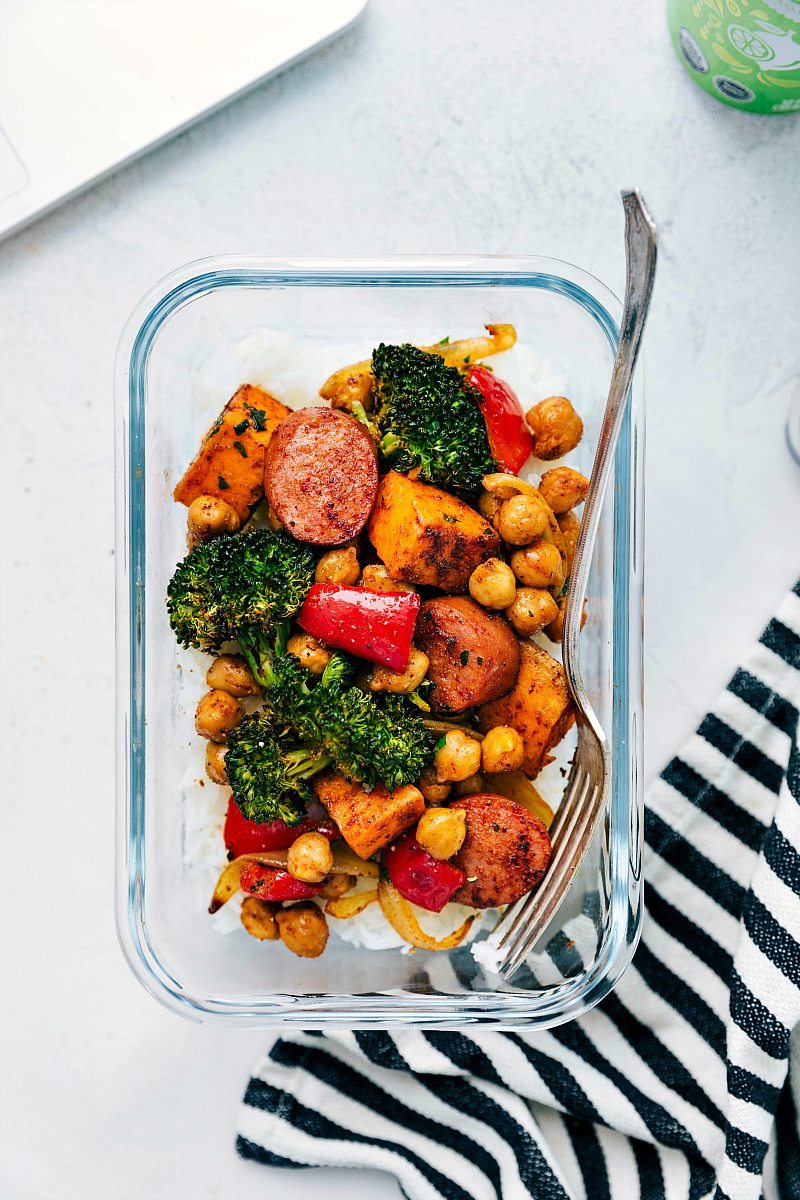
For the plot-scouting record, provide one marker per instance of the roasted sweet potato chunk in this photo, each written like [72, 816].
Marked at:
[368, 820]
[539, 706]
[427, 536]
[230, 461]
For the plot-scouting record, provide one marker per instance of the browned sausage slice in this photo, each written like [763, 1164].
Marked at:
[474, 654]
[322, 476]
[505, 852]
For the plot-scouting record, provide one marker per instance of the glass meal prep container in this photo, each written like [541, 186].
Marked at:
[186, 348]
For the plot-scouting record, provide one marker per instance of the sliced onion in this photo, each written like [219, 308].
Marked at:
[516, 786]
[400, 915]
[345, 907]
[345, 862]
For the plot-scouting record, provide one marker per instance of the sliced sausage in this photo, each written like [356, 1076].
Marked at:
[473, 654]
[505, 852]
[322, 476]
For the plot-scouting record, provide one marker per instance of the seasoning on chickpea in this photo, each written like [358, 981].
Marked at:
[458, 758]
[338, 885]
[303, 929]
[338, 566]
[493, 584]
[217, 714]
[521, 519]
[258, 918]
[441, 831]
[533, 608]
[401, 682]
[555, 426]
[502, 750]
[230, 673]
[215, 762]
[563, 488]
[310, 857]
[432, 789]
[489, 506]
[377, 578]
[209, 517]
[312, 654]
[538, 565]
[570, 527]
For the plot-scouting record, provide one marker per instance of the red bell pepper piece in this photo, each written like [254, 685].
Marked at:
[271, 883]
[377, 626]
[424, 880]
[248, 837]
[510, 439]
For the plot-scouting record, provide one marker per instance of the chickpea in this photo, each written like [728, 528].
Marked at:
[555, 630]
[217, 714]
[310, 857]
[303, 929]
[563, 488]
[338, 885]
[555, 426]
[258, 918]
[215, 763]
[377, 579]
[385, 680]
[502, 750]
[489, 506]
[470, 786]
[570, 527]
[441, 831]
[433, 791]
[492, 584]
[459, 757]
[521, 519]
[230, 673]
[538, 565]
[533, 608]
[312, 654]
[208, 517]
[338, 566]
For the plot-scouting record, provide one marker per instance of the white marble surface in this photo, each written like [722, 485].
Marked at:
[448, 127]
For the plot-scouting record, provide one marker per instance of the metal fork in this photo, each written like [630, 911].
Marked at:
[588, 788]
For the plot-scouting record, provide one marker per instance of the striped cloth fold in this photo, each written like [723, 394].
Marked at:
[682, 1084]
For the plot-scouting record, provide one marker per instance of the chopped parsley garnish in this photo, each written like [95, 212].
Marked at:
[450, 520]
[215, 428]
[222, 483]
[440, 745]
[480, 660]
[241, 448]
[464, 657]
[444, 342]
[240, 428]
[259, 417]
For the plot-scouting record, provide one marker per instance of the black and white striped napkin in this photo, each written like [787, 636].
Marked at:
[683, 1083]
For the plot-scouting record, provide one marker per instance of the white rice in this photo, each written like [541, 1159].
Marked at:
[292, 371]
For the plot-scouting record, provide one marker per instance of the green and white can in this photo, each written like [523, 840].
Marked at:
[745, 53]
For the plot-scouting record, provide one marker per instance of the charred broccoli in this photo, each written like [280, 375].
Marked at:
[428, 416]
[369, 742]
[236, 588]
[268, 772]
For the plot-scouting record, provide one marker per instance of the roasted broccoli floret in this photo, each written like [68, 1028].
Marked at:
[367, 741]
[268, 771]
[197, 613]
[428, 416]
[237, 588]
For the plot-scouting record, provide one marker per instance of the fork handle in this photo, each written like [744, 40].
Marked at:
[640, 255]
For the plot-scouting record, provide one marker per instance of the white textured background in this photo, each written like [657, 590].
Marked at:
[428, 127]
